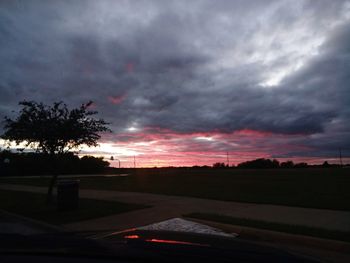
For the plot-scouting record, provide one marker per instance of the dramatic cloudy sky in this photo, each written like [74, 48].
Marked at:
[184, 82]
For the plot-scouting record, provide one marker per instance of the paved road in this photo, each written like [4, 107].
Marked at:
[165, 207]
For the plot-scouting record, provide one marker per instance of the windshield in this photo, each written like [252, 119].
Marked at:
[223, 119]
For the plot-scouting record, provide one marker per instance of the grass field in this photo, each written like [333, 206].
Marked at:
[316, 188]
[32, 205]
[292, 229]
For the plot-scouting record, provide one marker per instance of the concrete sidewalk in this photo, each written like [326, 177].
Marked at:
[165, 207]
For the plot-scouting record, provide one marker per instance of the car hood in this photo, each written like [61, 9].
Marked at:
[147, 246]
[172, 246]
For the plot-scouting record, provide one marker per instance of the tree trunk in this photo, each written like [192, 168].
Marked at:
[49, 197]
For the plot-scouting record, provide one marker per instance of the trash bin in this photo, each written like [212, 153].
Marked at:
[67, 195]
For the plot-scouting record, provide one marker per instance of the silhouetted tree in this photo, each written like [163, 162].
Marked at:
[287, 164]
[54, 130]
[275, 163]
[219, 165]
[259, 164]
[326, 164]
[301, 165]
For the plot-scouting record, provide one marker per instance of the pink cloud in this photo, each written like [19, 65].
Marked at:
[92, 106]
[116, 99]
[129, 67]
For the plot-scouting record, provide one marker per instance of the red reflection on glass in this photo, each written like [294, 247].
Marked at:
[176, 242]
[132, 236]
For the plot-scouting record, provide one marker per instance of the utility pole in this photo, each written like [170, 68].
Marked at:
[118, 161]
[134, 161]
[228, 160]
[340, 158]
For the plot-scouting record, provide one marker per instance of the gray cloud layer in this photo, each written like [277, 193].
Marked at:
[276, 66]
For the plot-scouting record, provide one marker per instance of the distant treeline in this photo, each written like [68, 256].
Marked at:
[42, 164]
[21, 163]
[263, 163]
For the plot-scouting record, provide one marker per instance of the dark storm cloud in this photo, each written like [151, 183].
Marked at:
[324, 83]
[185, 67]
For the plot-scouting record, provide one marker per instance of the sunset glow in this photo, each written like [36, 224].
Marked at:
[188, 82]
[162, 148]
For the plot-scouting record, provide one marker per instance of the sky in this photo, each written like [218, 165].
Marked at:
[188, 82]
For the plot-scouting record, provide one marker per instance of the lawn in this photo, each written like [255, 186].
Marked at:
[33, 205]
[316, 188]
[292, 229]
